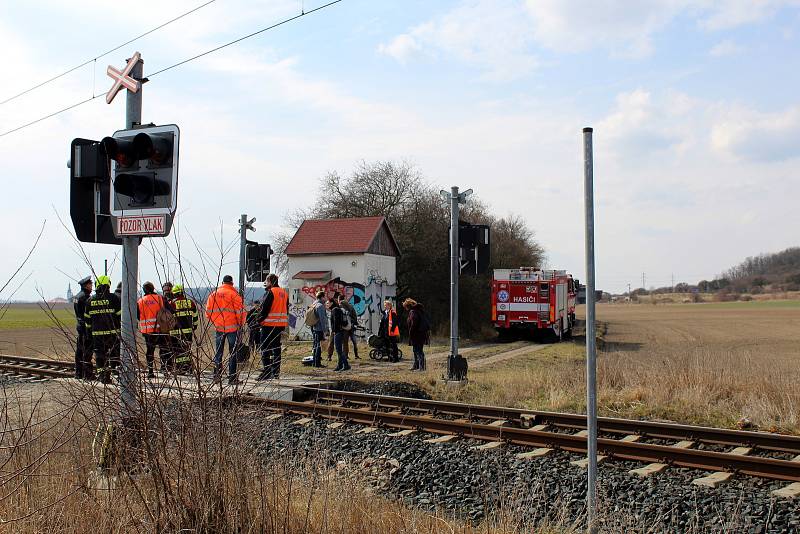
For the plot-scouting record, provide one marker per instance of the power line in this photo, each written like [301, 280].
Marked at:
[281, 23]
[148, 32]
[302, 14]
[40, 119]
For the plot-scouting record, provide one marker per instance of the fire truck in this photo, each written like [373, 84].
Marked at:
[539, 301]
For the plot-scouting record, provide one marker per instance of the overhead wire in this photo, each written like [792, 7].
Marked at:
[207, 52]
[94, 59]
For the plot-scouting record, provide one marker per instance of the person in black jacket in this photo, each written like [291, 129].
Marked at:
[83, 344]
[419, 331]
[337, 329]
[102, 318]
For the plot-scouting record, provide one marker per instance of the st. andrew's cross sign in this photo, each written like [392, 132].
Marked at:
[122, 79]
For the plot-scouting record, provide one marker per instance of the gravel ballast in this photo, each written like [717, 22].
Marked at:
[476, 484]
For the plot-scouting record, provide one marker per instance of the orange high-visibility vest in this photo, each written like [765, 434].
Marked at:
[394, 330]
[149, 305]
[225, 309]
[279, 311]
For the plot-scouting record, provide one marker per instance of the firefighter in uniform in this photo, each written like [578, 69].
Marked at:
[83, 344]
[167, 343]
[274, 318]
[185, 311]
[102, 317]
[147, 309]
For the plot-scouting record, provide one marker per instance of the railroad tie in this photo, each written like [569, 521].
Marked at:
[499, 422]
[337, 424]
[656, 467]
[535, 453]
[582, 433]
[713, 480]
[488, 446]
[367, 430]
[273, 417]
[303, 421]
[584, 462]
[540, 428]
[442, 439]
[401, 433]
[720, 477]
[792, 491]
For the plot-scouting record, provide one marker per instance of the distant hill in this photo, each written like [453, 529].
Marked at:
[779, 271]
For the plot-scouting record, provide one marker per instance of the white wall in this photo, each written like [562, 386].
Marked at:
[367, 283]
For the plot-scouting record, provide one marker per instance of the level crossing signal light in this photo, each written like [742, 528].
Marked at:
[257, 261]
[474, 242]
[89, 193]
[144, 170]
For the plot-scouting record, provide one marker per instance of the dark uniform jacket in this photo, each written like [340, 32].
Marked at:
[185, 311]
[383, 329]
[102, 314]
[80, 308]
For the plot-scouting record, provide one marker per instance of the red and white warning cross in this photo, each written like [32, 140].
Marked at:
[122, 79]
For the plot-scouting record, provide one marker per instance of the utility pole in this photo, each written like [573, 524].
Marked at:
[456, 366]
[244, 226]
[130, 272]
[643, 286]
[105, 267]
[591, 350]
[672, 275]
[629, 290]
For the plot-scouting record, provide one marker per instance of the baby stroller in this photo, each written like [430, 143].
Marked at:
[379, 348]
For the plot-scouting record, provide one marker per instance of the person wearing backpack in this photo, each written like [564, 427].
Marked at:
[317, 320]
[340, 327]
[419, 331]
[351, 335]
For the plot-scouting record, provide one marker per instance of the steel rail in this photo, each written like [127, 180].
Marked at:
[37, 361]
[692, 458]
[651, 429]
[34, 371]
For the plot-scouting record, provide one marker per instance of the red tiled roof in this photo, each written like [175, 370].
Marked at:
[312, 275]
[335, 236]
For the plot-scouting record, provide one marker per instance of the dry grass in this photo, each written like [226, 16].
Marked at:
[696, 364]
[198, 471]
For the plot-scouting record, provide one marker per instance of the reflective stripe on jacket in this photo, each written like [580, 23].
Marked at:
[225, 309]
[279, 311]
[102, 315]
[149, 306]
[185, 312]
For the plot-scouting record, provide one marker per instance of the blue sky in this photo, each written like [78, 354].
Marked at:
[694, 105]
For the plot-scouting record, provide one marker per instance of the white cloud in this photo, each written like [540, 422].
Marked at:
[627, 27]
[745, 134]
[401, 47]
[725, 48]
[494, 37]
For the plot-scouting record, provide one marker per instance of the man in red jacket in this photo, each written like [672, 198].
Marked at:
[225, 310]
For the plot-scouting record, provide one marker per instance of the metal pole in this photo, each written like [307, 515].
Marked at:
[591, 349]
[454, 270]
[130, 283]
[105, 262]
[242, 252]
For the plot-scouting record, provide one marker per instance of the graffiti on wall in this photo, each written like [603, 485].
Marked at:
[367, 301]
[353, 292]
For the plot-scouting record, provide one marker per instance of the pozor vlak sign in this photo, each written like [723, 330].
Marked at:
[144, 179]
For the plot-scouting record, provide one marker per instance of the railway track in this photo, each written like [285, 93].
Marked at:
[34, 368]
[511, 426]
[622, 439]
